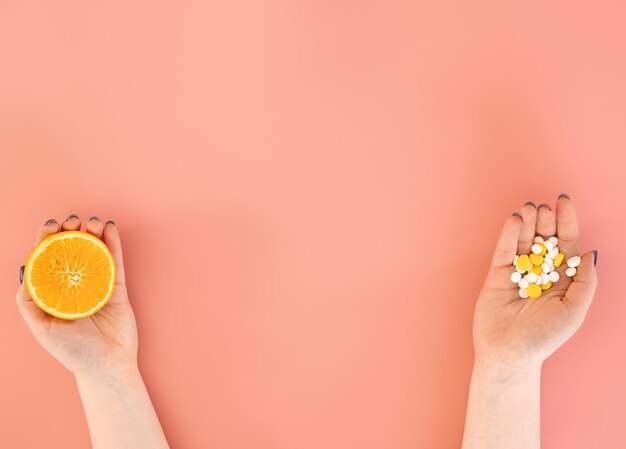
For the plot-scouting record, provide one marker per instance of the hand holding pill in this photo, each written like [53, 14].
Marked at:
[538, 289]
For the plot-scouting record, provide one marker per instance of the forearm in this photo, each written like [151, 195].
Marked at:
[119, 412]
[503, 408]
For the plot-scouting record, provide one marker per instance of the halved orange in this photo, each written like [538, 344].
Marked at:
[70, 274]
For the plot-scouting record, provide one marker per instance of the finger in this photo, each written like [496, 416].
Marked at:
[71, 223]
[111, 237]
[506, 249]
[95, 226]
[580, 292]
[567, 226]
[527, 233]
[546, 221]
[49, 227]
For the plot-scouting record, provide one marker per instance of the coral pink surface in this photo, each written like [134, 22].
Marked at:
[309, 193]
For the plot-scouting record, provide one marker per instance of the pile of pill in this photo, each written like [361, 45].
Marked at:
[536, 272]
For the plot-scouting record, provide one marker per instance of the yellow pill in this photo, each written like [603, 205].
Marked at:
[536, 259]
[523, 262]
[558, 260]
[534, 291]
[546, 286]
[536, 269]
[544, 250]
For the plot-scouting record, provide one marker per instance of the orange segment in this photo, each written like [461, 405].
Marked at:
[70, 274]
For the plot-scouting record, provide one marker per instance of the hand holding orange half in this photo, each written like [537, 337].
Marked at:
[74, 298]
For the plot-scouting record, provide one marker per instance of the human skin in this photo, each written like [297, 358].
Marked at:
[101, 352]
[514, 336]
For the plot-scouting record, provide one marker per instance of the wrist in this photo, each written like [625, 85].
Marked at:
[118, 376]
[500, 370]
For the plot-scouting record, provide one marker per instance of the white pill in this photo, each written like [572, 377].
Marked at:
[515, 277]
[538, 239]
[548, 245]
[554, 241]
[545, 267]
[548, 260]
[520, 271]
[544, 278]
[553, 253]
[573, 261]
[515, 259]
[523, 283]
[554, 276]
[536, 248]
[531, 277]
[570, 272]
[523, 293]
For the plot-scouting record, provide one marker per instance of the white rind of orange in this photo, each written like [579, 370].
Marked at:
[32, 291]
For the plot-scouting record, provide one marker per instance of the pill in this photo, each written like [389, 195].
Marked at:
[554, 276]
[536, 259]
[534, 291]
[531, 277]
[523, 262]
[537, 248]
[535, 272]
[558, 260]
[573, 261]
[570, 272]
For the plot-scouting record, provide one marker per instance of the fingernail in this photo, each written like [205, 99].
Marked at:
[70, 216]
[530, 203]
[52, 220]
[517, 214]
[110, 222]
[544, 205]
[595, 257]
[21, 274]
[563, 195]
[94, 217]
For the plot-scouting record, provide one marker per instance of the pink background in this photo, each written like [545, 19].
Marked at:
[309, 194]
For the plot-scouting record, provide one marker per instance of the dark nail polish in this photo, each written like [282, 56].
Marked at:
[563, 195]
[517, 214]
[111, 222]
[595, 257]
[94, 217]
[530, 203]
[544, 205]
[21, 274]
[52, 220]
[70, 216]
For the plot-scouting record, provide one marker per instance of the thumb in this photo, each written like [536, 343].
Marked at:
[31, 313]
[581, 290]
